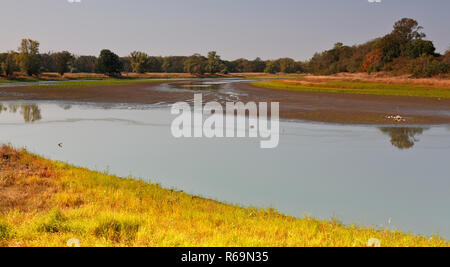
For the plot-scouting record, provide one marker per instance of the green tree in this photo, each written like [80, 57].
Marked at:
[9, 65]
[288, 65]
[109, 63]
[258, 65]
[272, 67]
[62, 61]
[390, 47]
[140, 62]
[29, 59]
[214, 63]
[173, 64]
[84, 64]
[195, 64]
[406, 30]
[419, 47]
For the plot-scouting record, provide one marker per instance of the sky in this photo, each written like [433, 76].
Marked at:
[233, 28]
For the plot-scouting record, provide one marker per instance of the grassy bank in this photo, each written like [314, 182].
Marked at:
[357, 87]
[106, 82]
[46, 203]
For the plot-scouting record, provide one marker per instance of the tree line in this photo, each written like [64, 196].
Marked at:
[402, 51]
[29, 61]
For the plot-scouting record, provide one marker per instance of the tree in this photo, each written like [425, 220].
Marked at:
[195, 64]
[84, 64]
[447, 57]
[109, 63]
[140, 62]
[214, 63]
[406, 30]
[173, 64]
[29, 59]
[372, 61]
[288, 65]
[419, 47]
[390, 47]
[272, 67]
[47, 62]
[258, 65]
[61, 61]
[9, 65]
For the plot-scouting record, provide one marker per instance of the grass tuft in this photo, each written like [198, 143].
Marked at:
[6, 231]
[117, 230]
[54, 222]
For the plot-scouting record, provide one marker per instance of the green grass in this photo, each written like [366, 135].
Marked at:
[359, 87]
[19, 80]
[93, 83]
[66, 202]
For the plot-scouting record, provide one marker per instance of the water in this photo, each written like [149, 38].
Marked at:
[358, 174]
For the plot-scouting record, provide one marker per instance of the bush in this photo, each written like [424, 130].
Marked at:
[428, 66]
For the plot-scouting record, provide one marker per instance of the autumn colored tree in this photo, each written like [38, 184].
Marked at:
[372, 60]
[29, 59]
[140, 62]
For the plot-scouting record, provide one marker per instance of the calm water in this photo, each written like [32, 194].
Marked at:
[357, 174]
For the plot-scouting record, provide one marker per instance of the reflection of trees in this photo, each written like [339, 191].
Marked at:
[66, 107]
[403, 138]
[30, 112]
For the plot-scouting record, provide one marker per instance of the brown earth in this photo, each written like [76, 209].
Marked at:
[25, 184]
[322, 107]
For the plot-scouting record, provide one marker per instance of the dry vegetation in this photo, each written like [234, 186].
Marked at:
[45, 203]
[383, 77]
[363, 84]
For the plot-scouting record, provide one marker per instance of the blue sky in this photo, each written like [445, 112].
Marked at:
[234, 28]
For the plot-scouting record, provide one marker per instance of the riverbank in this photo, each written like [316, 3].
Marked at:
[46, 203]
[307, 103]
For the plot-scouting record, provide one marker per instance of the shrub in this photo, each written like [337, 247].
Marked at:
[428, 66]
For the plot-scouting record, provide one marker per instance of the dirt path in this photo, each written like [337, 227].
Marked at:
[323, 107]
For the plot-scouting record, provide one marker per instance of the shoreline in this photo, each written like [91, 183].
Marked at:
[340, 108]
[55, 202]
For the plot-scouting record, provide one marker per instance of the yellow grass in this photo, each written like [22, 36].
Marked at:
[360, 84]
[45, 203]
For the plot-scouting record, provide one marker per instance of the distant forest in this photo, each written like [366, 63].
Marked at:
[403, 51]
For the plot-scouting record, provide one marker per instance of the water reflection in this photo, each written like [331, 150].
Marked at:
[30, 112]
[65, 106]
[403, 137]
[197, 86]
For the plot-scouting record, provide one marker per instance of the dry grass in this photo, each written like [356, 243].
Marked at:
[363, 84]
[382, 78]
